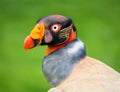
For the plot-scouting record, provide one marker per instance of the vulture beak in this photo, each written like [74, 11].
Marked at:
[35, 37]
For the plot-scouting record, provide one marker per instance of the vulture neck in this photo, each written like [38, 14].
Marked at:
[52, 48]
[58, 65]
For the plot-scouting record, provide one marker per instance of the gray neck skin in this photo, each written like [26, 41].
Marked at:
[58, 65]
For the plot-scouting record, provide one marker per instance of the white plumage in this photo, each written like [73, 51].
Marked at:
[90, 75]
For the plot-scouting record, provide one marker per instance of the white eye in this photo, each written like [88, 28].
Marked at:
[55, 27]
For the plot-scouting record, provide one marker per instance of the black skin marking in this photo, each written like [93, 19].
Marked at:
[36, 42]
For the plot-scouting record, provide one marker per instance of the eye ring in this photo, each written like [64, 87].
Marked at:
[55, 27]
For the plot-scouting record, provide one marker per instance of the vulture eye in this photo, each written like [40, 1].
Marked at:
[55, 27]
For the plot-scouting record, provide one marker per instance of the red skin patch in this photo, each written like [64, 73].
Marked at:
[50, 49]
[28, 43]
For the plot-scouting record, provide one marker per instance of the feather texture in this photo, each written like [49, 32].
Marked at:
[58, 65]
[90, 75]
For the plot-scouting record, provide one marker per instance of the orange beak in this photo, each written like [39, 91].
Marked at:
[35, 37]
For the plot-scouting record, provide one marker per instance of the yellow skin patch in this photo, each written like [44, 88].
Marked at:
[38, 32]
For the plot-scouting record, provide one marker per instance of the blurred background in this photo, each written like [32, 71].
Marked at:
[97, 22]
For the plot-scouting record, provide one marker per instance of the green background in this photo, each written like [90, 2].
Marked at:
[97, 22]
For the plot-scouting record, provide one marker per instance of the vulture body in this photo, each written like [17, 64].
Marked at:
[66, 65]
[90, 75]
